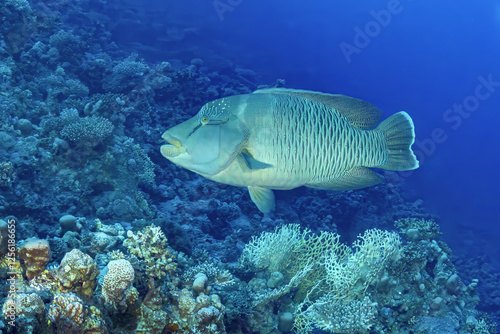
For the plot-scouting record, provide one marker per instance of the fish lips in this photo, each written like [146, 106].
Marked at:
[174, 147]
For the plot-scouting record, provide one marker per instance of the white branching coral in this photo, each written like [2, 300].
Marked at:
[336, 315]
[271, 250]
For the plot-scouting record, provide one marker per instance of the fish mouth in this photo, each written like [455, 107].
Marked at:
[174, 147]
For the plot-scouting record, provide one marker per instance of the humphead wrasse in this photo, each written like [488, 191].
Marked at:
[283, 139]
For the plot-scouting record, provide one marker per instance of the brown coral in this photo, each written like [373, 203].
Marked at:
[94, 323]
[152, 318]
[151, 248]
[34, 254]
[67, 313]
[203, 313]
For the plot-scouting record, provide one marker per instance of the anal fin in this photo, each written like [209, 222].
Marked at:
[263, 198]
[356, 178]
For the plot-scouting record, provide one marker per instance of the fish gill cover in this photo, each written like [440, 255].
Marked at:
[100, 234]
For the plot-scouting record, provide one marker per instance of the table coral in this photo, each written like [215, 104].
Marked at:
[34, 255]
[78, 272]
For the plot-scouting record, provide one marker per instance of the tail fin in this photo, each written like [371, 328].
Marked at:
[400, 134]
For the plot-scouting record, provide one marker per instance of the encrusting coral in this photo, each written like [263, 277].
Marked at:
[77, 273]
[151, 248]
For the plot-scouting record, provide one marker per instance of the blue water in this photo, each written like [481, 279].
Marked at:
[424, 57]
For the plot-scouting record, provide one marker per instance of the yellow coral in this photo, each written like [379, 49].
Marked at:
[66, 311]
[116, 282]
[78, 272]
[151, 247]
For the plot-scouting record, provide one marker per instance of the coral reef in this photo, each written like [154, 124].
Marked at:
[202, 313]
[79, 124]
[341, 289]
[152, 317]
[69, 314]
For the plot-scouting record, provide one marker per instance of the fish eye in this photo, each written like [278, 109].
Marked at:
[204, 120]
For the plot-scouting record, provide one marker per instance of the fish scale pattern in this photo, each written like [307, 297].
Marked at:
[300, 151]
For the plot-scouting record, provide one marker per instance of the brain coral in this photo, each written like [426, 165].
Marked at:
[118, 279]
[67, 313]
[78, 272]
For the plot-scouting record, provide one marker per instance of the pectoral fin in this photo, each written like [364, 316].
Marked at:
[356, 178]
[253, 163]
[263, 198]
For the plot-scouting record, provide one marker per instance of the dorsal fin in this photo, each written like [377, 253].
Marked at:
[359, 113]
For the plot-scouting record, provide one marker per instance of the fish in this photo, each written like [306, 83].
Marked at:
[281, 139]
